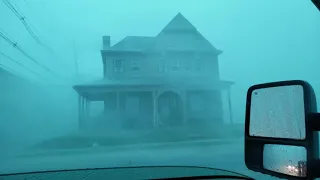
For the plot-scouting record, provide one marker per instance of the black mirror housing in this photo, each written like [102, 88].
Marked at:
[254, 146]
[316, 3]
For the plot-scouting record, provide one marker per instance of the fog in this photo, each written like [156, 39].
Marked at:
[261, 41]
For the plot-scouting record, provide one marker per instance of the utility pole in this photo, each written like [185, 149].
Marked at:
[75, 55]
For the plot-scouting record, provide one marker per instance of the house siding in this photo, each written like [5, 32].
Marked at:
[150, 65]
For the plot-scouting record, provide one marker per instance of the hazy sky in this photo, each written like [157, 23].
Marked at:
[265, 40]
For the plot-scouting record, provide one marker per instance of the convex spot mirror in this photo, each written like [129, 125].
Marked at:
[285, 159]
[280, 130]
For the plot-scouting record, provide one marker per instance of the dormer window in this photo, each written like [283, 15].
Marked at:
[135, 65]
[118, 65]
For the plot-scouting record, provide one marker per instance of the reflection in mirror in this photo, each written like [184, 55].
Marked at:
[285, 159]
[278, 112]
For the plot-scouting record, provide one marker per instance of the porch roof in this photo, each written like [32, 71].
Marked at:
[94, 90]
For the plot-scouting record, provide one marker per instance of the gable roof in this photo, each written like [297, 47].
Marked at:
[178, 34]
[179, 23]
[133, 43]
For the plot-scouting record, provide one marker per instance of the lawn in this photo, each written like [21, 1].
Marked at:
[162, 135]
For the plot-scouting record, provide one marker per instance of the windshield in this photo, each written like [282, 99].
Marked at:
[105, 83]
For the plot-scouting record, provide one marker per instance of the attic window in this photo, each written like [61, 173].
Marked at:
[118, 65]
[135, 65]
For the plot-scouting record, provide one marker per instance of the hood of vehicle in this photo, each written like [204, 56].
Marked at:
[141, 172]
[205, 156]
[102, 158]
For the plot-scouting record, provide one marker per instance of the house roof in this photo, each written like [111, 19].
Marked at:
[134, 43]
[179, 23]
[155, 81]
[178, 34]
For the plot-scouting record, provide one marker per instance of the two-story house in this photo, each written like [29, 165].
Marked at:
[171, 79]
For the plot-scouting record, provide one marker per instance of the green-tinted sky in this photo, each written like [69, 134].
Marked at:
[265, 40]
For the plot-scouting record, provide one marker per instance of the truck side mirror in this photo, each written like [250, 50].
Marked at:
[281, 125]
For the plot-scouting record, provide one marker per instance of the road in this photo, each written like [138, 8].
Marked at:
[228, 156]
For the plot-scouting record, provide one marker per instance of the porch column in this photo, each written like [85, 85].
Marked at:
[80, 112]
[87, 109]
[118, 101]
[155, 109]
[184, 107]
[230, 107]
[105, 107]
[118, 112]
[84, 113]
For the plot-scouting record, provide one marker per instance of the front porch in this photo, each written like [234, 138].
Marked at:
[154, 105]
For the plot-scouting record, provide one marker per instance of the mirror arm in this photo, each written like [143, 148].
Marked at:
[314, 120]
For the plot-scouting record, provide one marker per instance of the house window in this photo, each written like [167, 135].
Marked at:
[163, 65]
[135, 65]
[175, 66]
[118, 65]
[186, 65]
[196, 103]
[199, 65]
[132, 105]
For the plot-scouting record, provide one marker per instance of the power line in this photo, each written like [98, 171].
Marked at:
[17, 62]
[16, 46]
[11, 8]
[22, 18]
[8, 69]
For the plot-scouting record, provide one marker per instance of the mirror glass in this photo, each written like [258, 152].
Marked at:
[278, 112]
[285, 159]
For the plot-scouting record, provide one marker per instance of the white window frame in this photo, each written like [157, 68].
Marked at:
[186, 64]
[163, 64]
[116, 69]
[135, 63]
[199, 65]
[175, 64]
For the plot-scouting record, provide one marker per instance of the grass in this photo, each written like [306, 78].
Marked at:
[162, 135]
